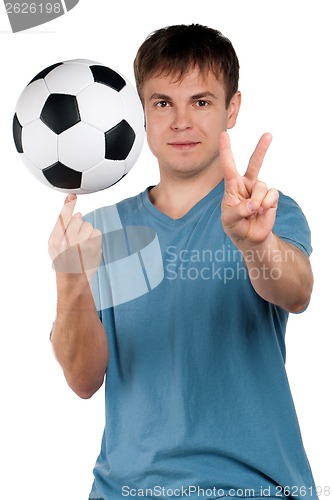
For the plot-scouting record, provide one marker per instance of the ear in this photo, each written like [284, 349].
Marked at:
[233, 109]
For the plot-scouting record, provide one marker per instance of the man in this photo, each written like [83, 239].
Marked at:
[197, 398]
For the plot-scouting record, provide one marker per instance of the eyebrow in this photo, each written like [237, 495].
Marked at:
[200, 95]
[204, 94]
[155, 95]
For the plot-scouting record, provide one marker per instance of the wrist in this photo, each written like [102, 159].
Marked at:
[270, 243]
[73, 292]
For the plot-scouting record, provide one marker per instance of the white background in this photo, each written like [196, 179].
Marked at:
[49, 438]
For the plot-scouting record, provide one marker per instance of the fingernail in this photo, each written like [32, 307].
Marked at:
[71, 197]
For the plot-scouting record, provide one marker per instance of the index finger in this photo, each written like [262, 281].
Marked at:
[65, 215]
[226, 158]
[67, 210]
[256, 159]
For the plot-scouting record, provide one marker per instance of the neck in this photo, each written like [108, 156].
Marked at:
[175, 196]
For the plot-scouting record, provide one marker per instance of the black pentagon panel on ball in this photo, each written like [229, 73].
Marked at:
[45, 72]
[119, 141]
[60, 112]
[63, 177]
[17, 132]
[107, 76]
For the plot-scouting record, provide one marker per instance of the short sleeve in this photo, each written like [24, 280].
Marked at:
[291, 224]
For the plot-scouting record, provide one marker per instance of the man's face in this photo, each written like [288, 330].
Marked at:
[184, 120]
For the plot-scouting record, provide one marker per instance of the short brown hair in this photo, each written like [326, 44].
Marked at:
[175, 49]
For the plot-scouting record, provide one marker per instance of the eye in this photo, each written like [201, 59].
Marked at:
[162, 104]
[201, 103]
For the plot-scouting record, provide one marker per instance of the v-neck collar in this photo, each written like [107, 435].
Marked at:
[216, 192]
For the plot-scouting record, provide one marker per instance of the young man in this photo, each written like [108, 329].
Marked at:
[196, 279]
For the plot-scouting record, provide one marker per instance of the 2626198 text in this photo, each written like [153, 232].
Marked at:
[33, 8]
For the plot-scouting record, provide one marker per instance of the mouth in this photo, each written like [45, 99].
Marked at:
[183, 145]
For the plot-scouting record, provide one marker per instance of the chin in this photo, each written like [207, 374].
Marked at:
[184, 171]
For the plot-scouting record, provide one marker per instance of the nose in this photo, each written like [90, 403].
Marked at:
[182, 119]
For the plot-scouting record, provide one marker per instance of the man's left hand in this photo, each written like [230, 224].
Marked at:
[248, 206]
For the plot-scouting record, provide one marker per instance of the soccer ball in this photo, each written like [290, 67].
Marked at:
[79, 126]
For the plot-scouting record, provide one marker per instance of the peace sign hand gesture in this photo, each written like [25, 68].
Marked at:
[248, 206]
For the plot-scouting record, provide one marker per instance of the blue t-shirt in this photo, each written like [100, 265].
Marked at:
[198, 402]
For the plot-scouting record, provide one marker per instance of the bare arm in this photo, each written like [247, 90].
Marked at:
[78, 337]
[279, 272]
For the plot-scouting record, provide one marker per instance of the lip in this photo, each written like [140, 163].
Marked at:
[183, 145]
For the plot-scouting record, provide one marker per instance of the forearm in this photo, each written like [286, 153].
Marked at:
[280, 273]
[78, 337]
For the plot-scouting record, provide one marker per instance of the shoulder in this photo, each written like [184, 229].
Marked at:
[289, 211]
[286, 201]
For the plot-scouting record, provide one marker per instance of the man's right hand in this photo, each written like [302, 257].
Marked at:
[74, 246]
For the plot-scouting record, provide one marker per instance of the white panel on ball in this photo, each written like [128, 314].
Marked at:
[133, 109]
[44, 152]
[36, 172]
[81, 147]
[87, 62]
[107, 108]
[68, 79]
[103, 175]
[31, 102]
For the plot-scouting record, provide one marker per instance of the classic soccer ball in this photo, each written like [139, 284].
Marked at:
[79, 126]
